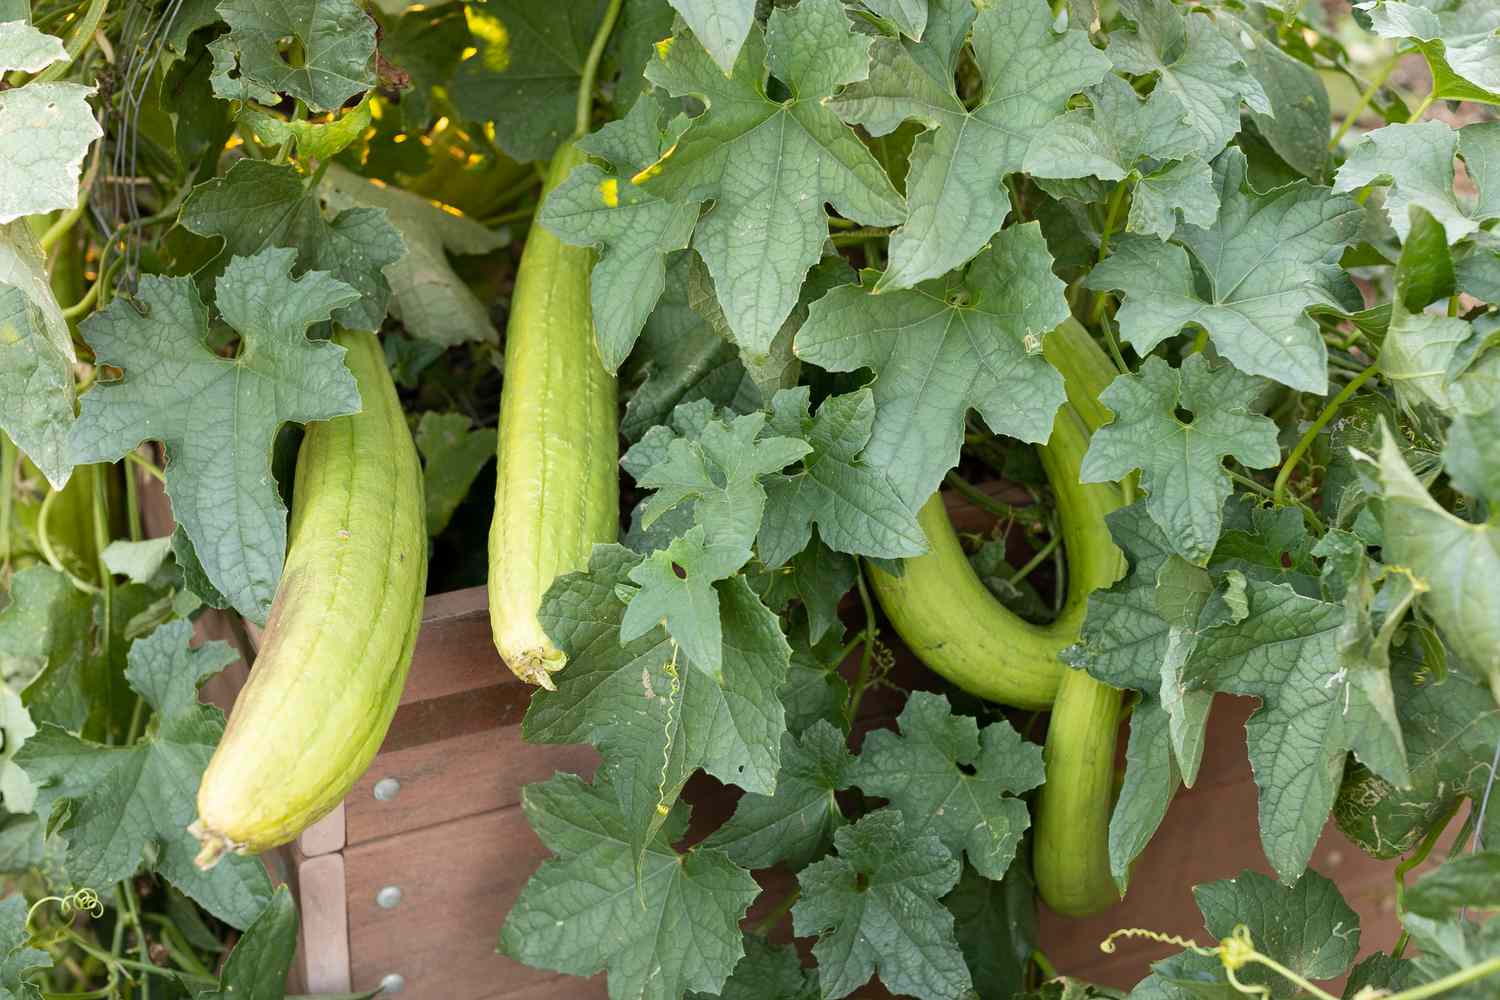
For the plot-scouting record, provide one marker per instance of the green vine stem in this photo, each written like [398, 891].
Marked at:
[1238, 950]
[64, 223]
[44, 542]
[77, 42]
[10, 457]
[774, 915]
[584, 110]
[1365, 98]
[1416, 857]
[1278, 492]
[867, 653]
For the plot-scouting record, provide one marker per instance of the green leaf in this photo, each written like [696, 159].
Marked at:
[336, 39]
[1469, 456]
[1450, 726]
[1364, 645]
[1457, 562]
[909, 16]
[1471, 880]
[1297, 124]
[1140, 634]
[431, 300]
[1307, 927]
[814, 688]
[1414, 161]
[257, 205]
[720, 470]
[778, 367]
[682, 359]
[24, 48]
[17, 958]
[769, 164]
[855, 506]
[876, 908]
[971, 339]
[453, 453]
[767, 972]
[1267, 258]
[676, 590]
[140, 561]
[1195, 65]
[634, 229]
[61, 649]
[653, 728]
[1285, 651]
[36, 354]
[16, 790]
[1458, 41]
[721, 26]
[1111, 140]
[45, 132]
[1380, 971]
[950, 778]
[257, 967]
[526, 75]
[1182, 459]
[996, 928]
[1450, 946]
[818, 577]
[125, 807]
[218, 417]
[661, 923]
[955, 183]
[794, 823]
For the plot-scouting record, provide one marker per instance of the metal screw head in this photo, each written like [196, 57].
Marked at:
[387, 789]
[389, 897]
[393, 983]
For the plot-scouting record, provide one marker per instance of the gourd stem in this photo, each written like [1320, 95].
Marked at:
[1364, 101]
[1278, 491]
[591, 70]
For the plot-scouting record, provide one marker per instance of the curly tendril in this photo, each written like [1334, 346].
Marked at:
[1188, 944]
[666, 751]
[79, 901]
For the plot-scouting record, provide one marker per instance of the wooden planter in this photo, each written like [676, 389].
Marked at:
[407, 882]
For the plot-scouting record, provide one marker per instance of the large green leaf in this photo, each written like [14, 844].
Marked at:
[258, 204]
[970, 339]
[769, 165]
[426, 295]
[1456, 561]
[855, 506]
[122, 807]
[218, 417]
[1122, 136]
[635, 229]
[1415, 163]
[1181, 458]
[660, 922]
[336, 39]
[45, 131]
[1197, 68]
[875, 909]
[794, 823]
[36, 356]
[656, 717]
[1268, 257]
[955, 188]
[526, 74]
[1457, 38]
[951, 778]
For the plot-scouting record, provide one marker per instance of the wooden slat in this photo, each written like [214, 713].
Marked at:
[325, 924]
[450, 779]
[457, 883]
